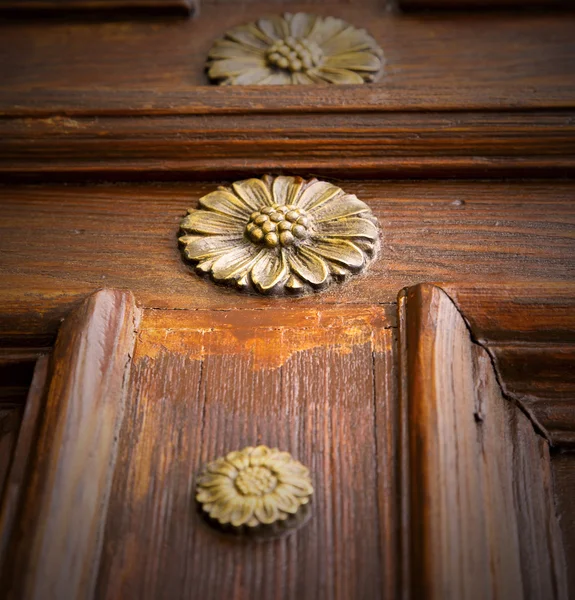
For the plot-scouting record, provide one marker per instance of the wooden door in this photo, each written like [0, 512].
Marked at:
[430, 396]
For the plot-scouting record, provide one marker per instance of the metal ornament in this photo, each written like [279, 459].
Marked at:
[280, 235]
[295, 49]
[254, 490]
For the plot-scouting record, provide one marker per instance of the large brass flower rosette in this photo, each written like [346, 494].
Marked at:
[279, 235]
[295, 49]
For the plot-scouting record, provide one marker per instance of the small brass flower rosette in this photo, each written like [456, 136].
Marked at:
[280, 235]
[255, 490]
[295, 49]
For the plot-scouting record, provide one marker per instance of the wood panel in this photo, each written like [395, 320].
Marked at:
[479, 498]
[317, 383]
[21, 452]
[529, 331]
[497, 4]
[60, 243]
[55, 542]
[376, 144]
[563, 465]
[69, 8]
[430, 59]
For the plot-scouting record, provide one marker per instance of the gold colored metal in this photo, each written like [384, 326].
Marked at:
[280, 235]
[254, 489]
[295, 49]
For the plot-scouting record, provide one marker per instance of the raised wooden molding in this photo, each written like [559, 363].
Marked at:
[63, 509]
[529, 332]
[468, 457]
[35, 8]
[104, 142]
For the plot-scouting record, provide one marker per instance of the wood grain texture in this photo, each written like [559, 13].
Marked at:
[55, 545]
[16, 371]
[498, 4]
[482, 519]
[68, 8]
[376, 144]
[329, 401]
[10, 420]
[529, 331]
[431, 60]
[23, 449]
[60, 243]
[563, 466]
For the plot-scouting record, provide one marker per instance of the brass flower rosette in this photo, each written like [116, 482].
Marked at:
[256, 490]
[295, 49]
[280, 235]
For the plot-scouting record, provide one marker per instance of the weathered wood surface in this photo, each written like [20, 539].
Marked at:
[60, 243]
[21, 452]
[317, 383]
[55, 542]
[529, 331]
[373, 144]
[563, 466]
[481, 516]
[95, 8]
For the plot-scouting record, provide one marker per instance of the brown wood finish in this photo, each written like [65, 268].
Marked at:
[67, 8]
[498, 4]
[318, 383]
[55, 543]
[529, 331]
[379, 143]
[482, 521]
[22, 450]
[563, 465]
[60, 243]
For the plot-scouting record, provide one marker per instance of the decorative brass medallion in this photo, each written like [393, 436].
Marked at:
[295, 49]
[279, 235]
[258, 489]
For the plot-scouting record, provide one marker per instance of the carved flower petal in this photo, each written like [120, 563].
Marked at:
[223, 467]
[356, 61]
[199, 247]
[354, 227]
[301, 24]
[325, 29]
[243, 511]
[266, 510]
[259, 455]
[229, 49]
[251, 36]
[253, 192]
[309, 266]
[340, 251]
[226, 203]
[277, 78]
[239, 458]
[274, 27]
[349, 40]
[316, 194]
[339, 76]
[235, 264]
[300, 78]
[213, 494]
[297, 486]
[346, 205]
[286, 502]
[270, 270]
[208, 480]
[203, 221]
[286, 189]
[252, 76]
[235, 66]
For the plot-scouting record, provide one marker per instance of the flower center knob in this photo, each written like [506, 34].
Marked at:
[294, 54]
[256, 481]
[280, 224]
